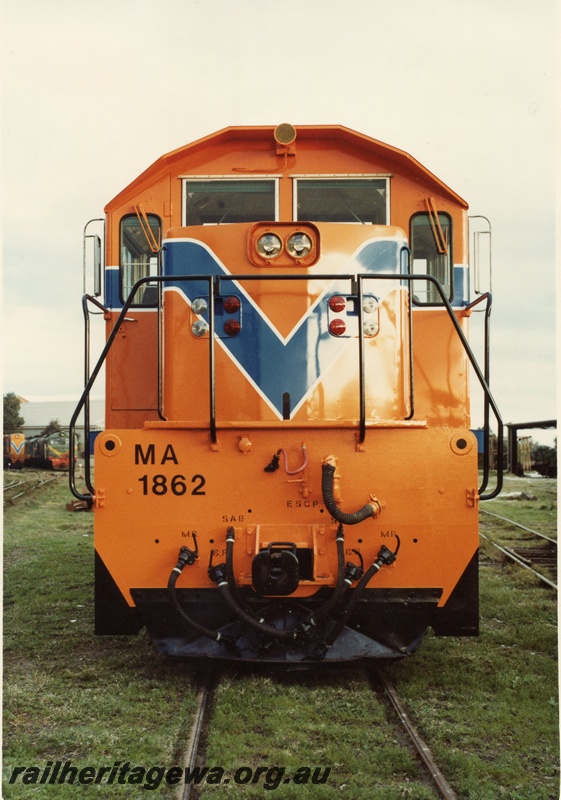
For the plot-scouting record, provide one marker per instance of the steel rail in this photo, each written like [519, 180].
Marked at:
[13, 485]
[518, 525]
[193, 739]
[444, 789]
[37, 482]
[520, 561]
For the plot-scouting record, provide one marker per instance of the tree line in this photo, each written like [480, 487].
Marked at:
[13, 421]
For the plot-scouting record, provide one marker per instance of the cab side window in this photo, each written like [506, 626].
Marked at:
[140, 242]
[431, 248]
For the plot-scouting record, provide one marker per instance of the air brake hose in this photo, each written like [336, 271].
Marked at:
[230, 537]
[186, 556]
[224, 576]
[368, 510]
[343, 581]
[385, 557]
[218, 574]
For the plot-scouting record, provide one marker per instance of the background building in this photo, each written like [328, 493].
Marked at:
[38, 414]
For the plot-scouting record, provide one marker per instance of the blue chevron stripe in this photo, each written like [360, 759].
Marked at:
[276, 365]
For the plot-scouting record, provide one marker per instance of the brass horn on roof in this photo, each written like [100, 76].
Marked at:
[285, 136]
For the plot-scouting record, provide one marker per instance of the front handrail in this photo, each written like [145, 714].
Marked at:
[83, 402]
[87, 465]
[356, 288]
[482, 377]
[214, 282]
[486, 368]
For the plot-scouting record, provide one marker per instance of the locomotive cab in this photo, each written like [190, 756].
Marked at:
[287, 447]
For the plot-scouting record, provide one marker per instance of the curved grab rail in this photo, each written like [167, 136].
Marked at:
[214, 282]
[83, 403]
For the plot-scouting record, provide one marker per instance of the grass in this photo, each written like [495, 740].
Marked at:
[539, 514]
[68, 695]
[488, 706]
[328, 719]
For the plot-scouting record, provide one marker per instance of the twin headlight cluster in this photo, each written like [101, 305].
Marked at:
[284, 244]
[269, 245]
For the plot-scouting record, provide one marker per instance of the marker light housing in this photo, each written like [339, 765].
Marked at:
[343, 315]
[337, 327]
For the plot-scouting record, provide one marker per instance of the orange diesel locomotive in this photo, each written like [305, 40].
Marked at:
[287, 473]
[14, 450]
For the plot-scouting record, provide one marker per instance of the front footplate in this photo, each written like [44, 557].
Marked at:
[387, 628]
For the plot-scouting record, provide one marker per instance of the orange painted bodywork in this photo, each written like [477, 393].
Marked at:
[426, 486]
[14, 449]
[163, 479]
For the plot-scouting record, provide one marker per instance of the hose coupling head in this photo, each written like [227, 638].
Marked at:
[186, 557]
[273, 465]
[217, 573]
[353, 572]
[376, 506]
[385, 556]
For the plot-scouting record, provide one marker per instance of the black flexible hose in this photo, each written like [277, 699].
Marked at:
[328, 471]
[385, 556]
[230, 537]
[189, 621]
[259, 624]
[229, 591]
[224, 576]
[342, 583]
[351, 605]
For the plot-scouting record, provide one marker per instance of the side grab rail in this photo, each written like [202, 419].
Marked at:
[83, 403]
[87, 350]
[486, 371]
[483, 378]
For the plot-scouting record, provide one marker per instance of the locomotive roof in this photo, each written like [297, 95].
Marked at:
[404, 163]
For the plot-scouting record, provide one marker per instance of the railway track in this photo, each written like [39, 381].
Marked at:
[192, 749]
[15, 489]
[530, 549]
[441, 785]
[379, 683]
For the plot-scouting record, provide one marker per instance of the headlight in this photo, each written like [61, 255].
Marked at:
[370, 327]
[369, 304]
[199, 328]
[269, 245]
[199, 305]
[299, 245]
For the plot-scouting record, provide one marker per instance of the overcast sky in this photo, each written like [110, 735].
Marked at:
[95, 92]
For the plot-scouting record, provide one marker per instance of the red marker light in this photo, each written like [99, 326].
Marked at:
[337, 303]
[337, 327]
[232, 327]
[231, 305]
